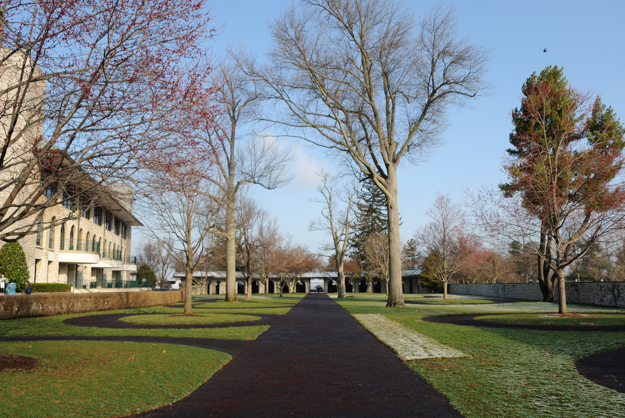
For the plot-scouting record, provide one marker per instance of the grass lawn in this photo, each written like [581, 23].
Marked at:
[53, 325]
[453, 301]
[102, 379]
[588, 319]
[163, 319]
[511, 373]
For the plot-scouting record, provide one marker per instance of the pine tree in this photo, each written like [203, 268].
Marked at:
[13, 264]
[371, 219]
[146, 272]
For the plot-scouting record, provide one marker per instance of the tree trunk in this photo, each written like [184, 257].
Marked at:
[395, 293]
[369, 285]
[248, 296]
[188, 293]
[561, 292]
[281, 286]
[445, 290]
[341, 280]
[231, 273]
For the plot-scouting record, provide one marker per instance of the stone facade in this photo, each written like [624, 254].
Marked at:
[80, 251]
[67, 246]
[603, 294]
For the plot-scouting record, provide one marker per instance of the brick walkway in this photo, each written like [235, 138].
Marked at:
[317, 361]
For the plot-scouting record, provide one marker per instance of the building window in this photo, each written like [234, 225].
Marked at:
[97, 216]
[67, 201]
[86, 213]
[38, 242]
[71, 239]
[49, 191]
[51, 239]
[108, 220]
[117, 226]
[124, 230]
[62, 240]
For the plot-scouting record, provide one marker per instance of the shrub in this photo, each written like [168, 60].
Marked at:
[13, 264]
[50, 287]
[145, 272]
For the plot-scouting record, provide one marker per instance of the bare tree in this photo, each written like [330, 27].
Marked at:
[378, 258]
[337, 219]
[290, 262]
[182, 220]
[154, 255]
[365, 79]
[256, 232]
[242, 157]
[86, 89]
[446, 240]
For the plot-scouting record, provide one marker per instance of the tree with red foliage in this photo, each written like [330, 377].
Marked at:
[561, 196]
[86, 94]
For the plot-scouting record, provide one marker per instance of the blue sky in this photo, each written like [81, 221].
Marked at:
[585, 38]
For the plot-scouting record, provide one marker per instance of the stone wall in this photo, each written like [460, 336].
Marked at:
[603, 294]
[48, 304]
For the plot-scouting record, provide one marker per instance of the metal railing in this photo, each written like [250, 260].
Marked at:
[80, 245]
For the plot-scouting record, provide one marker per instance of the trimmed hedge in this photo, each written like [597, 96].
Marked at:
[50, 287]
[46, 304]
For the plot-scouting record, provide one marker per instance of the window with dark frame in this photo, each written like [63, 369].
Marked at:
[124, 230]
[108, 220]
[38, 241]
[116, 226]
[97, 216]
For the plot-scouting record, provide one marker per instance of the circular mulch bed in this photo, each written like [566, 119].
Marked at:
[469, 320]
[11, 362]
[605, 369]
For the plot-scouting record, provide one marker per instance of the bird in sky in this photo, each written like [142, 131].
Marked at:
[545, 50]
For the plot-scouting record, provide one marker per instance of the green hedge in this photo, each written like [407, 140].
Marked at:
[50, 287]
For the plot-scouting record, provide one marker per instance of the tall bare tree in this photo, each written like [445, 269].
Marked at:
[366, 79]
[242, 156]
[378, 259]
[337, 218]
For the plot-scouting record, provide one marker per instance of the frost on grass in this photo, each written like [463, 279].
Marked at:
[408, 345]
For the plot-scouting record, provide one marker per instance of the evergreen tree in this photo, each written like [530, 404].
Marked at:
[370, 219]
[410, 255]
[146, 272]
[13, 264]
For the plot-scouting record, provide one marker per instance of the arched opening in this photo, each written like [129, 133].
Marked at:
[62, 238]
[255, 286]
[80, 245]
[94, 245]
[104, 254]
[332, 288]
[300, 287]
[100, 244]
[71, 239]
[377, 286]
[271, 287]
[348, 286]
[217, 288]
[51, 234]
[362, 286]
[285, 288]
[88, 242]
[241, 287]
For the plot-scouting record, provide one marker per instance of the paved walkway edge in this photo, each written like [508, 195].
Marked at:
[408, 344]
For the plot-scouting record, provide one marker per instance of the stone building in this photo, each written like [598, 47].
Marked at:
[82, 239]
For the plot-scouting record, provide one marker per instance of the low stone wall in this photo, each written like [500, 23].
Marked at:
[603, 294]
[47, 304]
